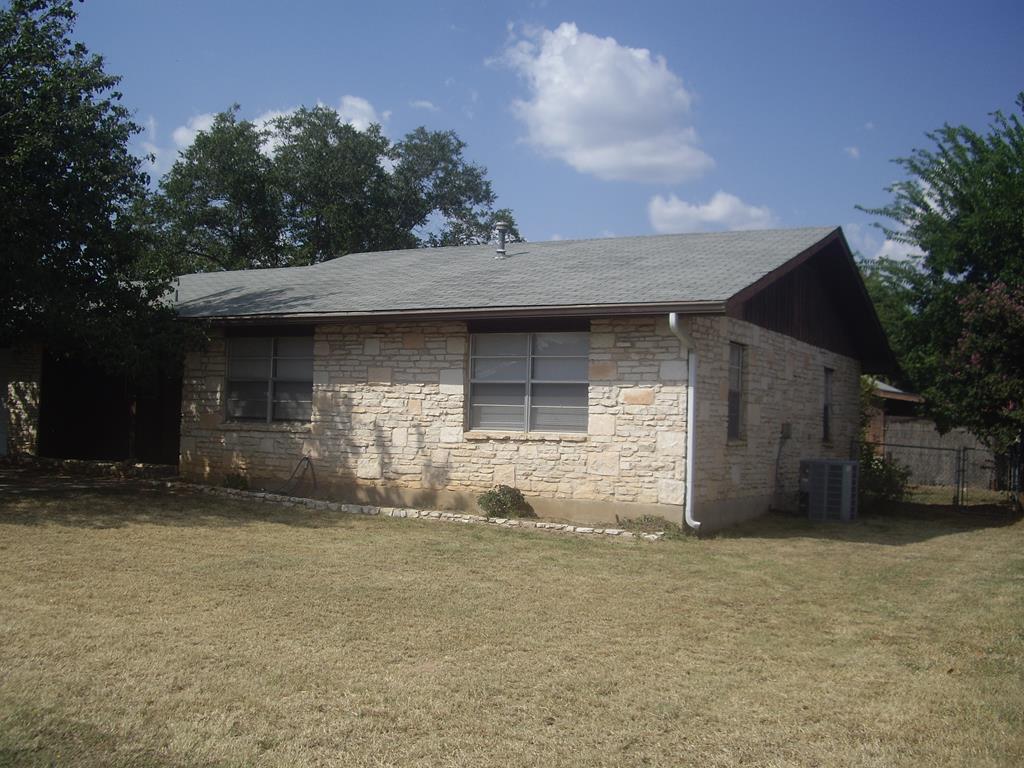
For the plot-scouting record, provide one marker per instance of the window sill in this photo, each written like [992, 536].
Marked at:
[524, 437]
[259, 426]
[736, 442]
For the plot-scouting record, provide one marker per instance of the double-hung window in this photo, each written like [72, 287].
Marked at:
[529, 381]
[737, 417]
[270, 378]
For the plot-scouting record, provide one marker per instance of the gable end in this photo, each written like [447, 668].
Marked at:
[819, 298]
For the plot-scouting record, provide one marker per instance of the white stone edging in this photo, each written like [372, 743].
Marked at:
[416, 514]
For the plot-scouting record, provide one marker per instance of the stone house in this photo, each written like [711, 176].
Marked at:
[680, 375]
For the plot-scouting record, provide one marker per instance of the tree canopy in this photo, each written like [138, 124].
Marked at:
[308, 187]
[955, 315]
[894, 285]
[88, 251]
[68, 186]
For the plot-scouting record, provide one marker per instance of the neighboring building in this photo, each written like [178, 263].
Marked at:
[899, 430]
[889, 403]
[423, 377]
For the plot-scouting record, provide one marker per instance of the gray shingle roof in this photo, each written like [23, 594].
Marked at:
[660, 269]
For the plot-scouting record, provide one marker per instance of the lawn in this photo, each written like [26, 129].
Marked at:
[156, 628]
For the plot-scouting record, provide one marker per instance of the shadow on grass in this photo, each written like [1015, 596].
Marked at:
[896, 524]
[44, 737]
[34, 498]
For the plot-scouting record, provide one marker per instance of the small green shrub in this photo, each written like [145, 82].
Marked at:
[882, 479]
[504, 501]
[236, 480]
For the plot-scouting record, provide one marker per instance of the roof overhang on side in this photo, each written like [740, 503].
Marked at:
[819, 297]
[472, 313]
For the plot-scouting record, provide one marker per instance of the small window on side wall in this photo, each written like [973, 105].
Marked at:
[826, 411]
[270, 378]
[737, 427]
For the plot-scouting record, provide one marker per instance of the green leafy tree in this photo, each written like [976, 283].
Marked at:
[475, 228]
[337, 195]
[434, 182]
[962, 204]
[220, 206]
[310, 187]
[69, 248]
[894, 285]
[986, 364]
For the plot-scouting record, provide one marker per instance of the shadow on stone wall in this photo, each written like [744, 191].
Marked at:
[354, 459]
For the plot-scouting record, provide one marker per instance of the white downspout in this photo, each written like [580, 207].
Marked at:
[675, 323]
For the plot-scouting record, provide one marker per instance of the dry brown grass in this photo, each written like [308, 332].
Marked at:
[158, 629]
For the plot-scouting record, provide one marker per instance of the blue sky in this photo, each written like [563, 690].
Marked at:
[596, 118]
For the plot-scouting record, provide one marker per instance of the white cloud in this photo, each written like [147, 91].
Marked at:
[863, 239]
[149, 146]
[185, 134]
[871, 243]
[869, 126]
[359, 113]
[853, 152]
[722, 211]
[424, 104]
[893, 249]
[616, 112]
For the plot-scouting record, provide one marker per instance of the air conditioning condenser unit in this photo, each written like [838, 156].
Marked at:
[828, 488]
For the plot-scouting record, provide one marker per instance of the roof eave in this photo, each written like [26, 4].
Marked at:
[469, 313]
[735, 302]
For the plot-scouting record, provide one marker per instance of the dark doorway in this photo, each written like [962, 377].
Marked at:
[87, 413]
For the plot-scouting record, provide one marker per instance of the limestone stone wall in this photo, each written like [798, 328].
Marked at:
[784, 385]
[19, 386]
[389, 423]
[389, 414]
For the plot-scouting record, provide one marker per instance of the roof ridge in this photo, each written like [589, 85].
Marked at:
[560, 243]
[570, 241]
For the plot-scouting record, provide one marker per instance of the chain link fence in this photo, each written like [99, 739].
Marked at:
[962, 476]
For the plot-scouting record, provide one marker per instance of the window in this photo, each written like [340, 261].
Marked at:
[826, 411]
[529, 381]
[270, 378]
[737, 396]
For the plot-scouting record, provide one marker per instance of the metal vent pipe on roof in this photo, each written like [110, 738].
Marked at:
[502, 227]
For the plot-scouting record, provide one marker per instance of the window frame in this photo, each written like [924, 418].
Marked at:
[828, 404]
[528, 381]
[271, 380]
[740, 433]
